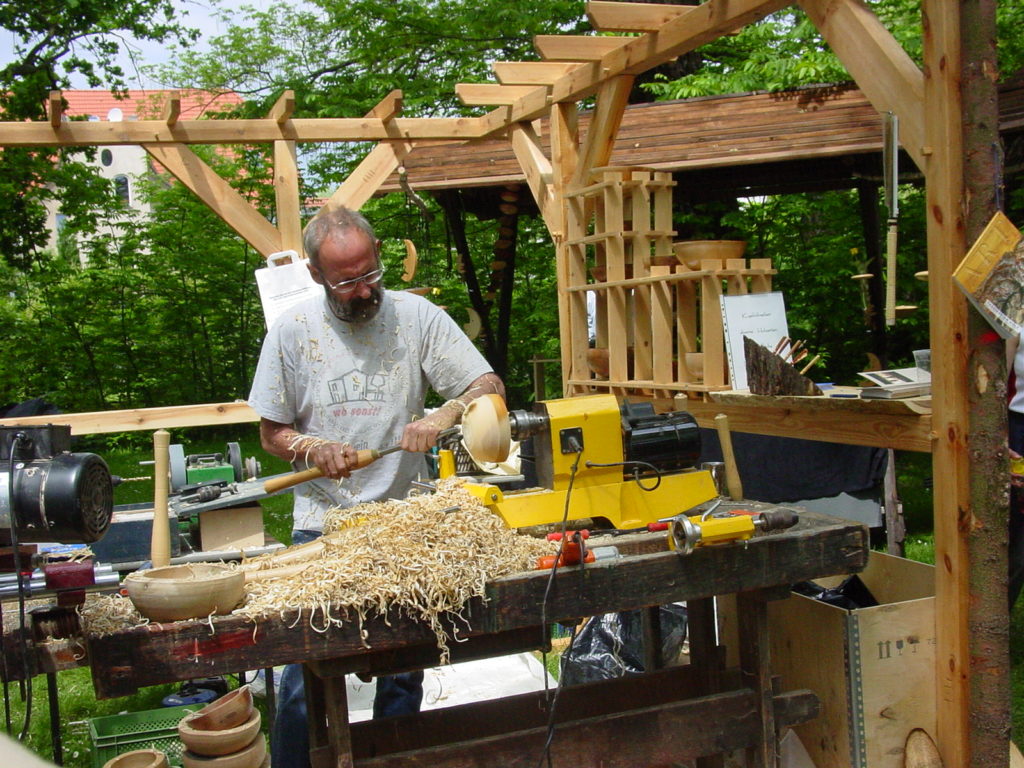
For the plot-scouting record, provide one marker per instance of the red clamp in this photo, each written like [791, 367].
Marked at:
[574, 551]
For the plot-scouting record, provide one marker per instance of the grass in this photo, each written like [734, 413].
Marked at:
[77, 700]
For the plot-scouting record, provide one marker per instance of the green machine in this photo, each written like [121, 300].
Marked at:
[193, 471]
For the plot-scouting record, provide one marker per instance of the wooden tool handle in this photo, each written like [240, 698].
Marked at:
[275, 484]
[732, 472]
[160, 540]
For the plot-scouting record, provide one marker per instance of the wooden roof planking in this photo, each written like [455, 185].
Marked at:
[715, 132]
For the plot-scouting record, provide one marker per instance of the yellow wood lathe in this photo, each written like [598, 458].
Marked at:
[624, 464]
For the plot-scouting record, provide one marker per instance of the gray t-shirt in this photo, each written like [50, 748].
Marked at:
[360, 383]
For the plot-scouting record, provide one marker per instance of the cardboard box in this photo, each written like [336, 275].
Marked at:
[872, 668]
[231, 528]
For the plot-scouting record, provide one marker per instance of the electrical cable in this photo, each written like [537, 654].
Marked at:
[549, 700]
[636, 471]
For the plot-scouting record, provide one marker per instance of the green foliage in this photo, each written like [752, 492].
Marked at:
[815, 241]
[342, 58]
[52, 41]
[138, 311]
[785, 50]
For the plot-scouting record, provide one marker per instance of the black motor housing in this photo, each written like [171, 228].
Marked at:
[49, 493]
[669, 441]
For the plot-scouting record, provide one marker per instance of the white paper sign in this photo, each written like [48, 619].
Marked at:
[284, 282]
[760, 316]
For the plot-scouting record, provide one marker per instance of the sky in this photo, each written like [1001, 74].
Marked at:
[200, 14]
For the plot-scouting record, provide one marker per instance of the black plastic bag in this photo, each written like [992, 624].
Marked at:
[851, 594]
[611, 645]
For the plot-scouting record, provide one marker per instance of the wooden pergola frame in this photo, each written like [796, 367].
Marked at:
[926, 99]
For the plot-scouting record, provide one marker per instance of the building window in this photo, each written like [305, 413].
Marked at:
[122, 189]
[106, 157]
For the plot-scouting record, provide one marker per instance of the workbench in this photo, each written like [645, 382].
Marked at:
[696, 711]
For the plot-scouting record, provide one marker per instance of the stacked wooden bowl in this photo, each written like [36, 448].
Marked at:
[138, 758]
[224, 734]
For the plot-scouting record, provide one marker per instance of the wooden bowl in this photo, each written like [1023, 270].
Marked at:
[597, 361]
[229, 711]
[138, 758]
[691, 252]
[220, 742]
[251, 756]
[485, 429]
[694, 362]
[187, 591]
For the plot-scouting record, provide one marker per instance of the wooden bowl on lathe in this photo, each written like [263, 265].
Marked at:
[190, 591]
[219, 742]
[229, 711]
[138, 758]
[485, 429]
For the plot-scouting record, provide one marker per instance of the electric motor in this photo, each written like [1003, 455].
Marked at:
[666, 440]
[49, 493]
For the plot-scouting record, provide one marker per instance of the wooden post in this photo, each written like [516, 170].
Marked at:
[160, 538]
[988, 631]
[943, 160]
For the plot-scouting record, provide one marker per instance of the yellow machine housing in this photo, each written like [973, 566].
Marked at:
[594, 424]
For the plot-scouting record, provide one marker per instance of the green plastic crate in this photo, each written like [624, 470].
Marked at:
[114, 735]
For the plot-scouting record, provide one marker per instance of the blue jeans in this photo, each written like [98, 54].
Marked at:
[289, 741]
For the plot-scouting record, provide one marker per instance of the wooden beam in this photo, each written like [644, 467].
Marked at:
[883, 70]
[367, 177]
[577, 48]
[837, 425]
[172, 108]
[56, 103]
[492, 94]
[947, 318]
[537, 167]
[604, 125]
[256, 131]
[632, 17]
[531, 72]
[286, 196]
[222, 199]
[283, 108]
[136, 419]
[682, 34]
[387, 108]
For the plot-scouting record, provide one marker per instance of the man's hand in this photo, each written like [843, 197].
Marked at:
[421, 435]
[335, 460]
[1016, 473]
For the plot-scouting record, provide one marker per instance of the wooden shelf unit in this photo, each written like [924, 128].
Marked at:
[650, 310]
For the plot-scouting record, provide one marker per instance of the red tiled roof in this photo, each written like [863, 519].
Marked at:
[146, 104]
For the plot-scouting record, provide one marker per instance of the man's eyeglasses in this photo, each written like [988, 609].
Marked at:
[345, 287]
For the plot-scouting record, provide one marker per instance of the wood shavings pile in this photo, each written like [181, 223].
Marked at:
[424, 556]
[106, 614]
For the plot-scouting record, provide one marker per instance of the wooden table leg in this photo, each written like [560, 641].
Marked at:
[650, 624]
[330, 740]
[706, 655]
[755, 663]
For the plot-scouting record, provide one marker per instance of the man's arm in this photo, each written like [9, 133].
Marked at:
[421, 435]
[285, 442]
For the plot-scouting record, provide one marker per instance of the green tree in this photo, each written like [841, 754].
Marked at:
[55, 40]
